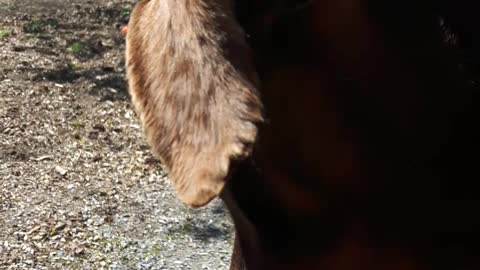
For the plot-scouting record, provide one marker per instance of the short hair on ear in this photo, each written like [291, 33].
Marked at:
[194, 86]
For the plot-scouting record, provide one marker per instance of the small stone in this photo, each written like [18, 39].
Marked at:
[79, 251]
[60, 170]
[60, 226]
[99, 127]
[41, 158]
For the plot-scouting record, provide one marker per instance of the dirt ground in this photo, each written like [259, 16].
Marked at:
[79, 188]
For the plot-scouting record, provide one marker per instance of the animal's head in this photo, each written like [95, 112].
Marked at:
[349, 96]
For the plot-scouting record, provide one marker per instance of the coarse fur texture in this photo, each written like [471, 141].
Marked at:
[194, 89]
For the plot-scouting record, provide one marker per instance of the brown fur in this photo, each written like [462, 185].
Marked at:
[194, 89]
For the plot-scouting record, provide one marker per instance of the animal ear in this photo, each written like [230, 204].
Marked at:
[193, 85]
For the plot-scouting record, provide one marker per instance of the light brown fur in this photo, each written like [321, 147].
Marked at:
[194, 90]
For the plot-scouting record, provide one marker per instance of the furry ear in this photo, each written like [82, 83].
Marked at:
[193, 85]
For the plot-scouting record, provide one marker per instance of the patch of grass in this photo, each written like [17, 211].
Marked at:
[75, 265]
[5, 33]
[8, 6]
[51, 22]
[53, 232]
[77, 124]
[75, 48]
[74, 66]
[125, 13]
[33, 27]
[155, 249]
[40, 26]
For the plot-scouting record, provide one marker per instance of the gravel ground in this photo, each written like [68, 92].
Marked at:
[79, 187]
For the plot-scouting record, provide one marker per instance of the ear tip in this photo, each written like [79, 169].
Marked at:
[197, 199]
[198, 195]
[194, 201]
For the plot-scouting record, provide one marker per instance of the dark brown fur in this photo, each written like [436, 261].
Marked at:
[368, 158]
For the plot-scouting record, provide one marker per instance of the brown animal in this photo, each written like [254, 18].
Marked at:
[341, 134]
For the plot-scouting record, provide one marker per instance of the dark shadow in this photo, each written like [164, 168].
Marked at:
[208, 232]
[109, 84]
[199, 230]
[59, 75]
[219, 209]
